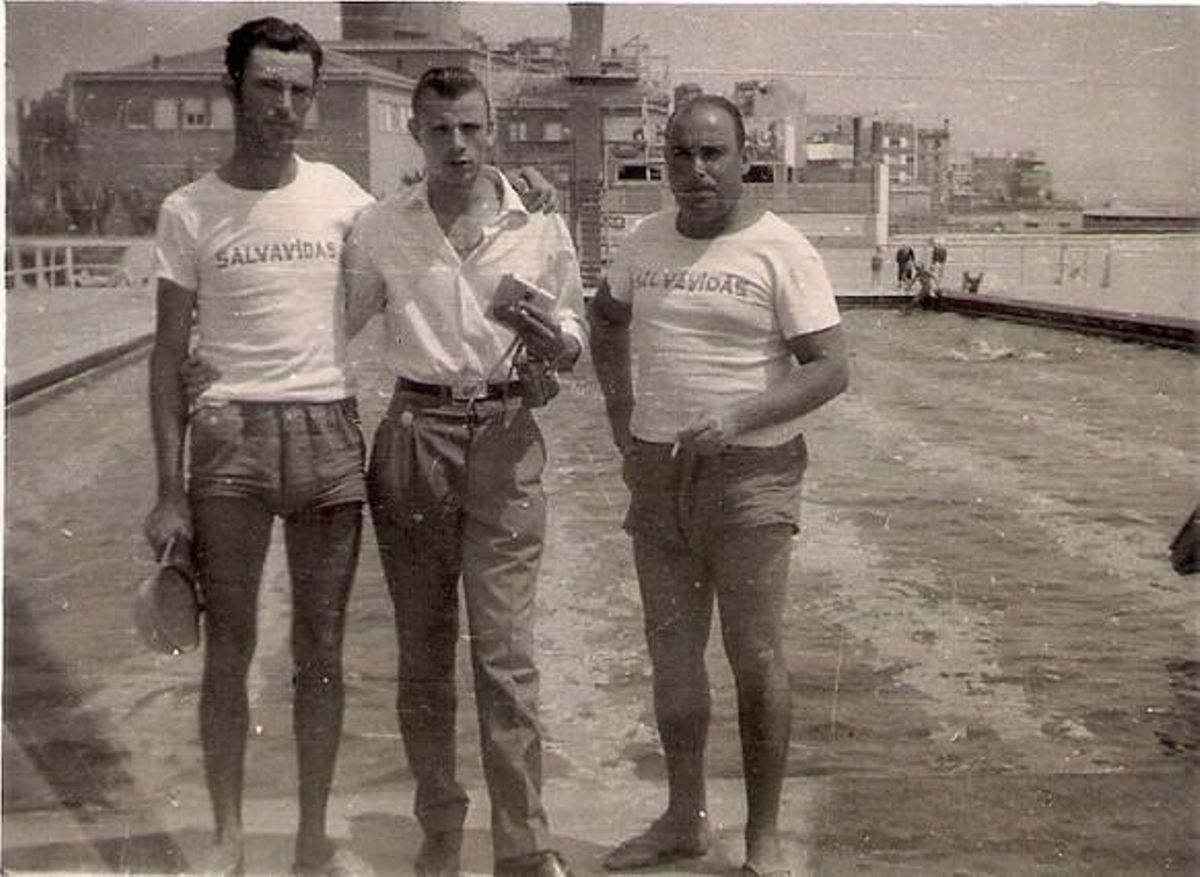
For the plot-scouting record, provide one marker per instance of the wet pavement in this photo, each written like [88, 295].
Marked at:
[51, 330]
[995, 669]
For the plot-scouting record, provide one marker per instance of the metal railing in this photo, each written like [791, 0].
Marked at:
[76, 262]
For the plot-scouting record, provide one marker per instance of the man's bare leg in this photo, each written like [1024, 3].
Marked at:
[232, 536]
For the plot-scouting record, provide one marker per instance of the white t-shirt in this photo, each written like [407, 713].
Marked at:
[265, 268]
[711, 317]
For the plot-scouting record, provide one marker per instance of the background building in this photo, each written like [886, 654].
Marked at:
[774, 114]
[1018, 179]
[932, 165]
[409, 38]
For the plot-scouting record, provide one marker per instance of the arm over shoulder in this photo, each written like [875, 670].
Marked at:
[362, 283]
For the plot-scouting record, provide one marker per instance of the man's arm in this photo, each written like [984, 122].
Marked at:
[362, 285]
[824, 373]
[609, 320]
[169, 413]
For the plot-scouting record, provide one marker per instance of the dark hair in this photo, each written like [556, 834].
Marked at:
[712, 100]
[450, 83]
[274, 33]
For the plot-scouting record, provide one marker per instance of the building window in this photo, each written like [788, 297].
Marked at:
[166, 114]
[195, 114]
[518, 132]
[222, 114]
[642, 173]
[139, 112]
[553, 132]
[392, 117]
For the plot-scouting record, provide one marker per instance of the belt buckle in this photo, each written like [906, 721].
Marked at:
[468, 392]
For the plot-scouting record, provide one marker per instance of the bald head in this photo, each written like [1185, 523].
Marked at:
[705, 160]
[709, 102]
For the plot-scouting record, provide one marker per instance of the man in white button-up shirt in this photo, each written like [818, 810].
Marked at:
[455, 474]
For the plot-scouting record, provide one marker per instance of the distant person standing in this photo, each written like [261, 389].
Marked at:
[732, 321]
[877, 267]
[906, 265]
[937, 261]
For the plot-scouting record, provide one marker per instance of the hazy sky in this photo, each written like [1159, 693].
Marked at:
[1107, 94]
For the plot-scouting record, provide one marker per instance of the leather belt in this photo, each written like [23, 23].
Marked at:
[468, 392]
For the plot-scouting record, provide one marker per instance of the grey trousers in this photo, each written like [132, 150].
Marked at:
[455, 492]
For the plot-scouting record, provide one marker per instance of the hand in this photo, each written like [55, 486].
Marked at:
[543, 335]
[171, 518]
[620, 418]
[707, 433]
[195, 376]
[622, 439]
[537, 194]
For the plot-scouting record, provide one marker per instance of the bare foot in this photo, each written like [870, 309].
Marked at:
[764, 856]
[225, 859]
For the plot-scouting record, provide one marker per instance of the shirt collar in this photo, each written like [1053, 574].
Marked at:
[512, 208]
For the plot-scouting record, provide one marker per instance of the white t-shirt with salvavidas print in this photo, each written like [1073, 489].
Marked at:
[711, 318]
[265, 268]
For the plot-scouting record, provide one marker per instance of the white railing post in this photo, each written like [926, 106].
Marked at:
[39, 266]
[69, 259]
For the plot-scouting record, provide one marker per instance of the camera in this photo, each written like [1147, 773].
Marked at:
[515, 294]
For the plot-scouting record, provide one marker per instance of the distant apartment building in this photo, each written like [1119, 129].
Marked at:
[1010, 178]
[924, 173]
[932, 165]
[1032, 182]
[961, 182]
[542, 54]
[843, 146]
[534, 125]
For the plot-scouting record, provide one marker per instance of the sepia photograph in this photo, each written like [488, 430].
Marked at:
[543, 439]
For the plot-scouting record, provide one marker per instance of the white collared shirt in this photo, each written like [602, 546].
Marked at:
[398, 259]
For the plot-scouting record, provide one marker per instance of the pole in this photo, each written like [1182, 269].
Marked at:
[879, 237]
